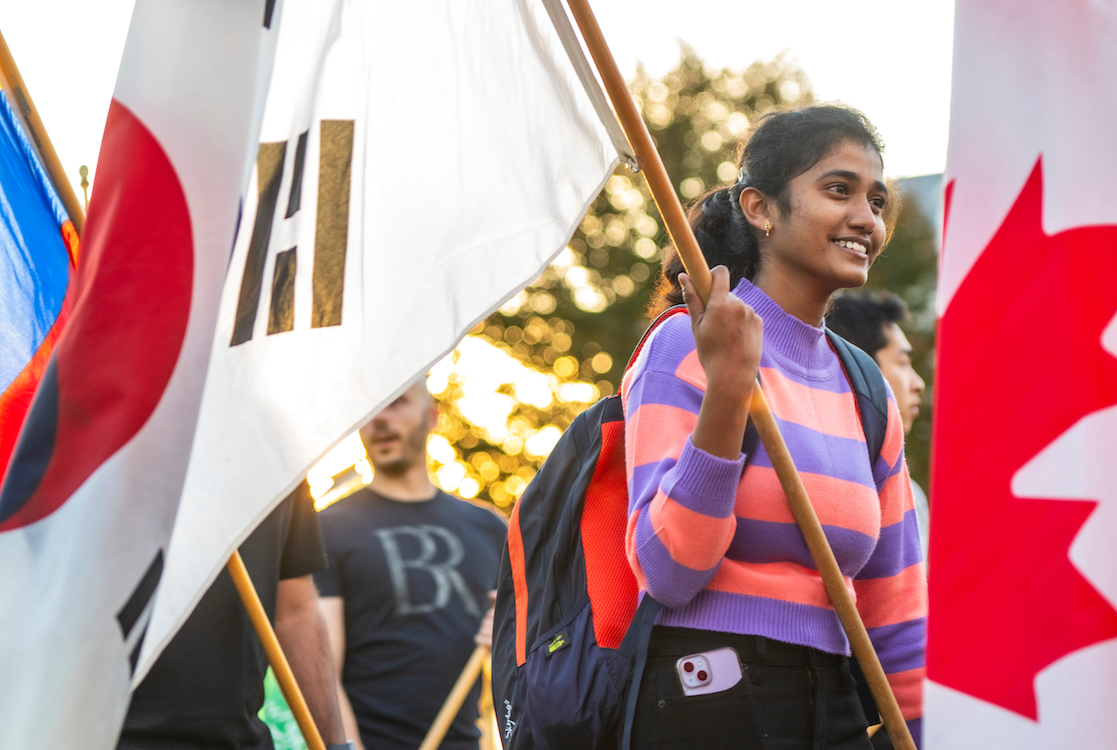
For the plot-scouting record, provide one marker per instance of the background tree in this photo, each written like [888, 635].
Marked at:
[574, 327]
[523, 374]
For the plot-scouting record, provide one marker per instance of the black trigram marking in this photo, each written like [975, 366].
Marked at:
[269, 9]
[269, 172]
[236, 232]
[331, 237]
[282, 314]
[134, 609]
[335, 167]
[294, 200]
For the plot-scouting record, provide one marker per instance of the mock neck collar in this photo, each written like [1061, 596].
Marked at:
[788, 339]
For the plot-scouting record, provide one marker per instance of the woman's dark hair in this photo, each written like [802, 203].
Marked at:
[781, 147]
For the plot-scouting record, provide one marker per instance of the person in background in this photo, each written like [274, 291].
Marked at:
[409, 579]
[206, 689]
[871, 321]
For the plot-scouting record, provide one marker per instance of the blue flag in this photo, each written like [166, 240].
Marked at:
[38, 248]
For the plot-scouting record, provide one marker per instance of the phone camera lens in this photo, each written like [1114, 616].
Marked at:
[702, 675]
[688, 666]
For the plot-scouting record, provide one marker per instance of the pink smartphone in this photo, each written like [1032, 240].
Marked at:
[709, 671]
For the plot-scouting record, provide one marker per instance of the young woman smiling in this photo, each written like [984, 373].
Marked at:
[719, 548]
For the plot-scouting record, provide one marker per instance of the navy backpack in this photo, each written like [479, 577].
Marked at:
[569, 636]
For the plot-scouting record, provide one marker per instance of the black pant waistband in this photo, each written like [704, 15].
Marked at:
[677, 642]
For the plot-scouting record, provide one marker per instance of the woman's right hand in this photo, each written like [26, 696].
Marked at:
[728, 334]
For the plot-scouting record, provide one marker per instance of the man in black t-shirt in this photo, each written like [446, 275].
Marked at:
[410, 569]
[206, 688]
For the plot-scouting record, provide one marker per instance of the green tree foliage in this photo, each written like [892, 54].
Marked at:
[579, 321]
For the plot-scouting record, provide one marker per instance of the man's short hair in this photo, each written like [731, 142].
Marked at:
[860, 318]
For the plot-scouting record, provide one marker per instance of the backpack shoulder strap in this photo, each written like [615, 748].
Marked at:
[869, 389]
[668, 313]
[663, 316]
[635, 646]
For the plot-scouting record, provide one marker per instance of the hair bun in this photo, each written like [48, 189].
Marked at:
[718, 204]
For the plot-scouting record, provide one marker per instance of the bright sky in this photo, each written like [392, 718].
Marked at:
[889, 59]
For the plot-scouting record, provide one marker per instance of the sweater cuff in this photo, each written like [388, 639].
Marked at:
[705, 482]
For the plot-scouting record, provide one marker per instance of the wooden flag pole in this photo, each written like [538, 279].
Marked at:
[454, 701]
[276, 658]
[695, 263]
[38, 134]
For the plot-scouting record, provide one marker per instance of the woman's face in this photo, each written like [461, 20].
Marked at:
[835, 228]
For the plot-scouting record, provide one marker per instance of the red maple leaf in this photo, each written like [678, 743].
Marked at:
[1019, 362]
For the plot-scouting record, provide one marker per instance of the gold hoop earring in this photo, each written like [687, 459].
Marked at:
[767, 228]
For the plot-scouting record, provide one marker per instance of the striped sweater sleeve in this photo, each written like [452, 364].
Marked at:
[892, 587]
[681, 498]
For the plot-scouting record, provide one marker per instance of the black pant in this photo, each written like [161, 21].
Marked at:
[789, 698]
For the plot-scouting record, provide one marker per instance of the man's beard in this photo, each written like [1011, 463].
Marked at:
[414, 452]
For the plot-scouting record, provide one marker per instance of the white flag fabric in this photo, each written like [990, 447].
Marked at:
[1022, 634]
[89, 500]
[419, 163]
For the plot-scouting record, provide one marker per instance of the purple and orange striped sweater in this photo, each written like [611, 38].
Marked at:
[721, 551]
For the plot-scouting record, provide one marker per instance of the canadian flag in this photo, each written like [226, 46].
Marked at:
[1022, 636]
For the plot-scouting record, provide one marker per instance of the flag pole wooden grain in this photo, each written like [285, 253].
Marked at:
[695, 263]
[456, 698]
[283, 674]
[38, 134]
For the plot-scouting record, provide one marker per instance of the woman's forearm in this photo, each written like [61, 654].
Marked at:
[720, 428]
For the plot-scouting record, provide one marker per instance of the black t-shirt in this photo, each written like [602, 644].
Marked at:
[415, 578]
[206, 688]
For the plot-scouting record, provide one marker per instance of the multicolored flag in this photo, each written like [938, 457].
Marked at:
[420, 163]
[89, 499]
[1022, 649]
[38, 250]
